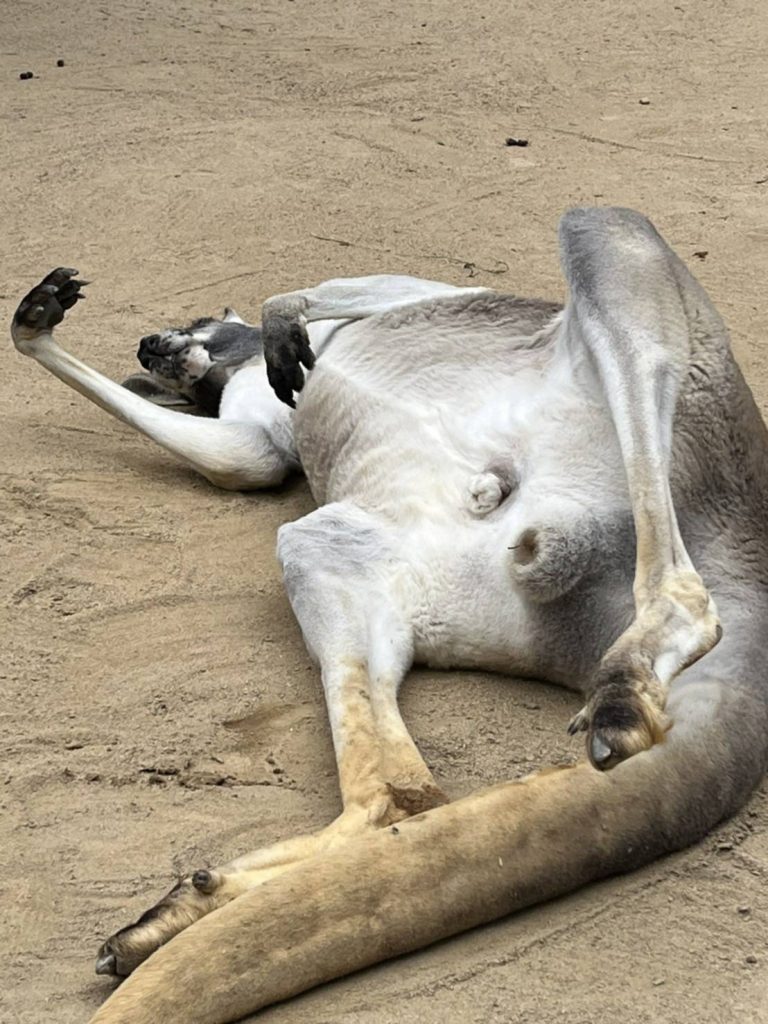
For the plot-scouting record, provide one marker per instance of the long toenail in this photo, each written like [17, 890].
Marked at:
[106, 964]
[577, 724]
[600, 750]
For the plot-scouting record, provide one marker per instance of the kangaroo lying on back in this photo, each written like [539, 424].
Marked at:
[577, 494]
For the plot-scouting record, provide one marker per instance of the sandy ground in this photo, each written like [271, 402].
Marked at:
[159, 710]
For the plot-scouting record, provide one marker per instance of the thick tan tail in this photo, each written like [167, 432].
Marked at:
[466, 863]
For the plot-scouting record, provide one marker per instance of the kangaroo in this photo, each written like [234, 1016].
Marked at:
[574, 494]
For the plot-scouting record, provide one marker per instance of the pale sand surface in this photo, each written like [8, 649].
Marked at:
[191, 157]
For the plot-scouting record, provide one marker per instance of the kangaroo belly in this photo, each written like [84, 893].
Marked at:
[406, 412]
[495, 461]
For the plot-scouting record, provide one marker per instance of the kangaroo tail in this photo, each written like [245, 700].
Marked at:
[472, 861]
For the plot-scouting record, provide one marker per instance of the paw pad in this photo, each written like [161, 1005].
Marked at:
[44, 307]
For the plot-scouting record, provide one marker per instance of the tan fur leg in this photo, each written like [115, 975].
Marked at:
[409, 781]
[389, 891]
[382, 778]
[375, 896]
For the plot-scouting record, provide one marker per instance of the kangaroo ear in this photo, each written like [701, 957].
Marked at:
[147, 387]
[231, 317]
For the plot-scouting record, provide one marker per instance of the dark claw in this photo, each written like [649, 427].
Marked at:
[106, 962]
[286, 350]
[599, 752]
[44, 307]
[307, 356]
[280, 385]
[577, 724]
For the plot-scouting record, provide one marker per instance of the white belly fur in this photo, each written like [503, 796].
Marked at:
[399, 419]
[400, 415]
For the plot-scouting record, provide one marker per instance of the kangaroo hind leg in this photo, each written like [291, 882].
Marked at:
[349, 593]
[631, 307]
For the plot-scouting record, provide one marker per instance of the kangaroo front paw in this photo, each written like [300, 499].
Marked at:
[44, 307]
[286, 350]
[188, 901]
[624, 715]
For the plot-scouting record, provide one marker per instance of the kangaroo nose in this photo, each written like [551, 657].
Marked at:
[146, 346]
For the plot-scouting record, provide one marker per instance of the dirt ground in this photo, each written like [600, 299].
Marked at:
[159, 710]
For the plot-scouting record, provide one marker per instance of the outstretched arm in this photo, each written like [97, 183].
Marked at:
[234, 454]
[635, 309]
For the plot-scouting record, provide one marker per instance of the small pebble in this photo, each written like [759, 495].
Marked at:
[25, 75]
[658, 981]
[644, 101]
[725, 846]
[745, 910]
[513, 141]
[59, 63]
[751, 959]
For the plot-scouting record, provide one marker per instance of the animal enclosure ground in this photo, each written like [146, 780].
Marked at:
[160, 710]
